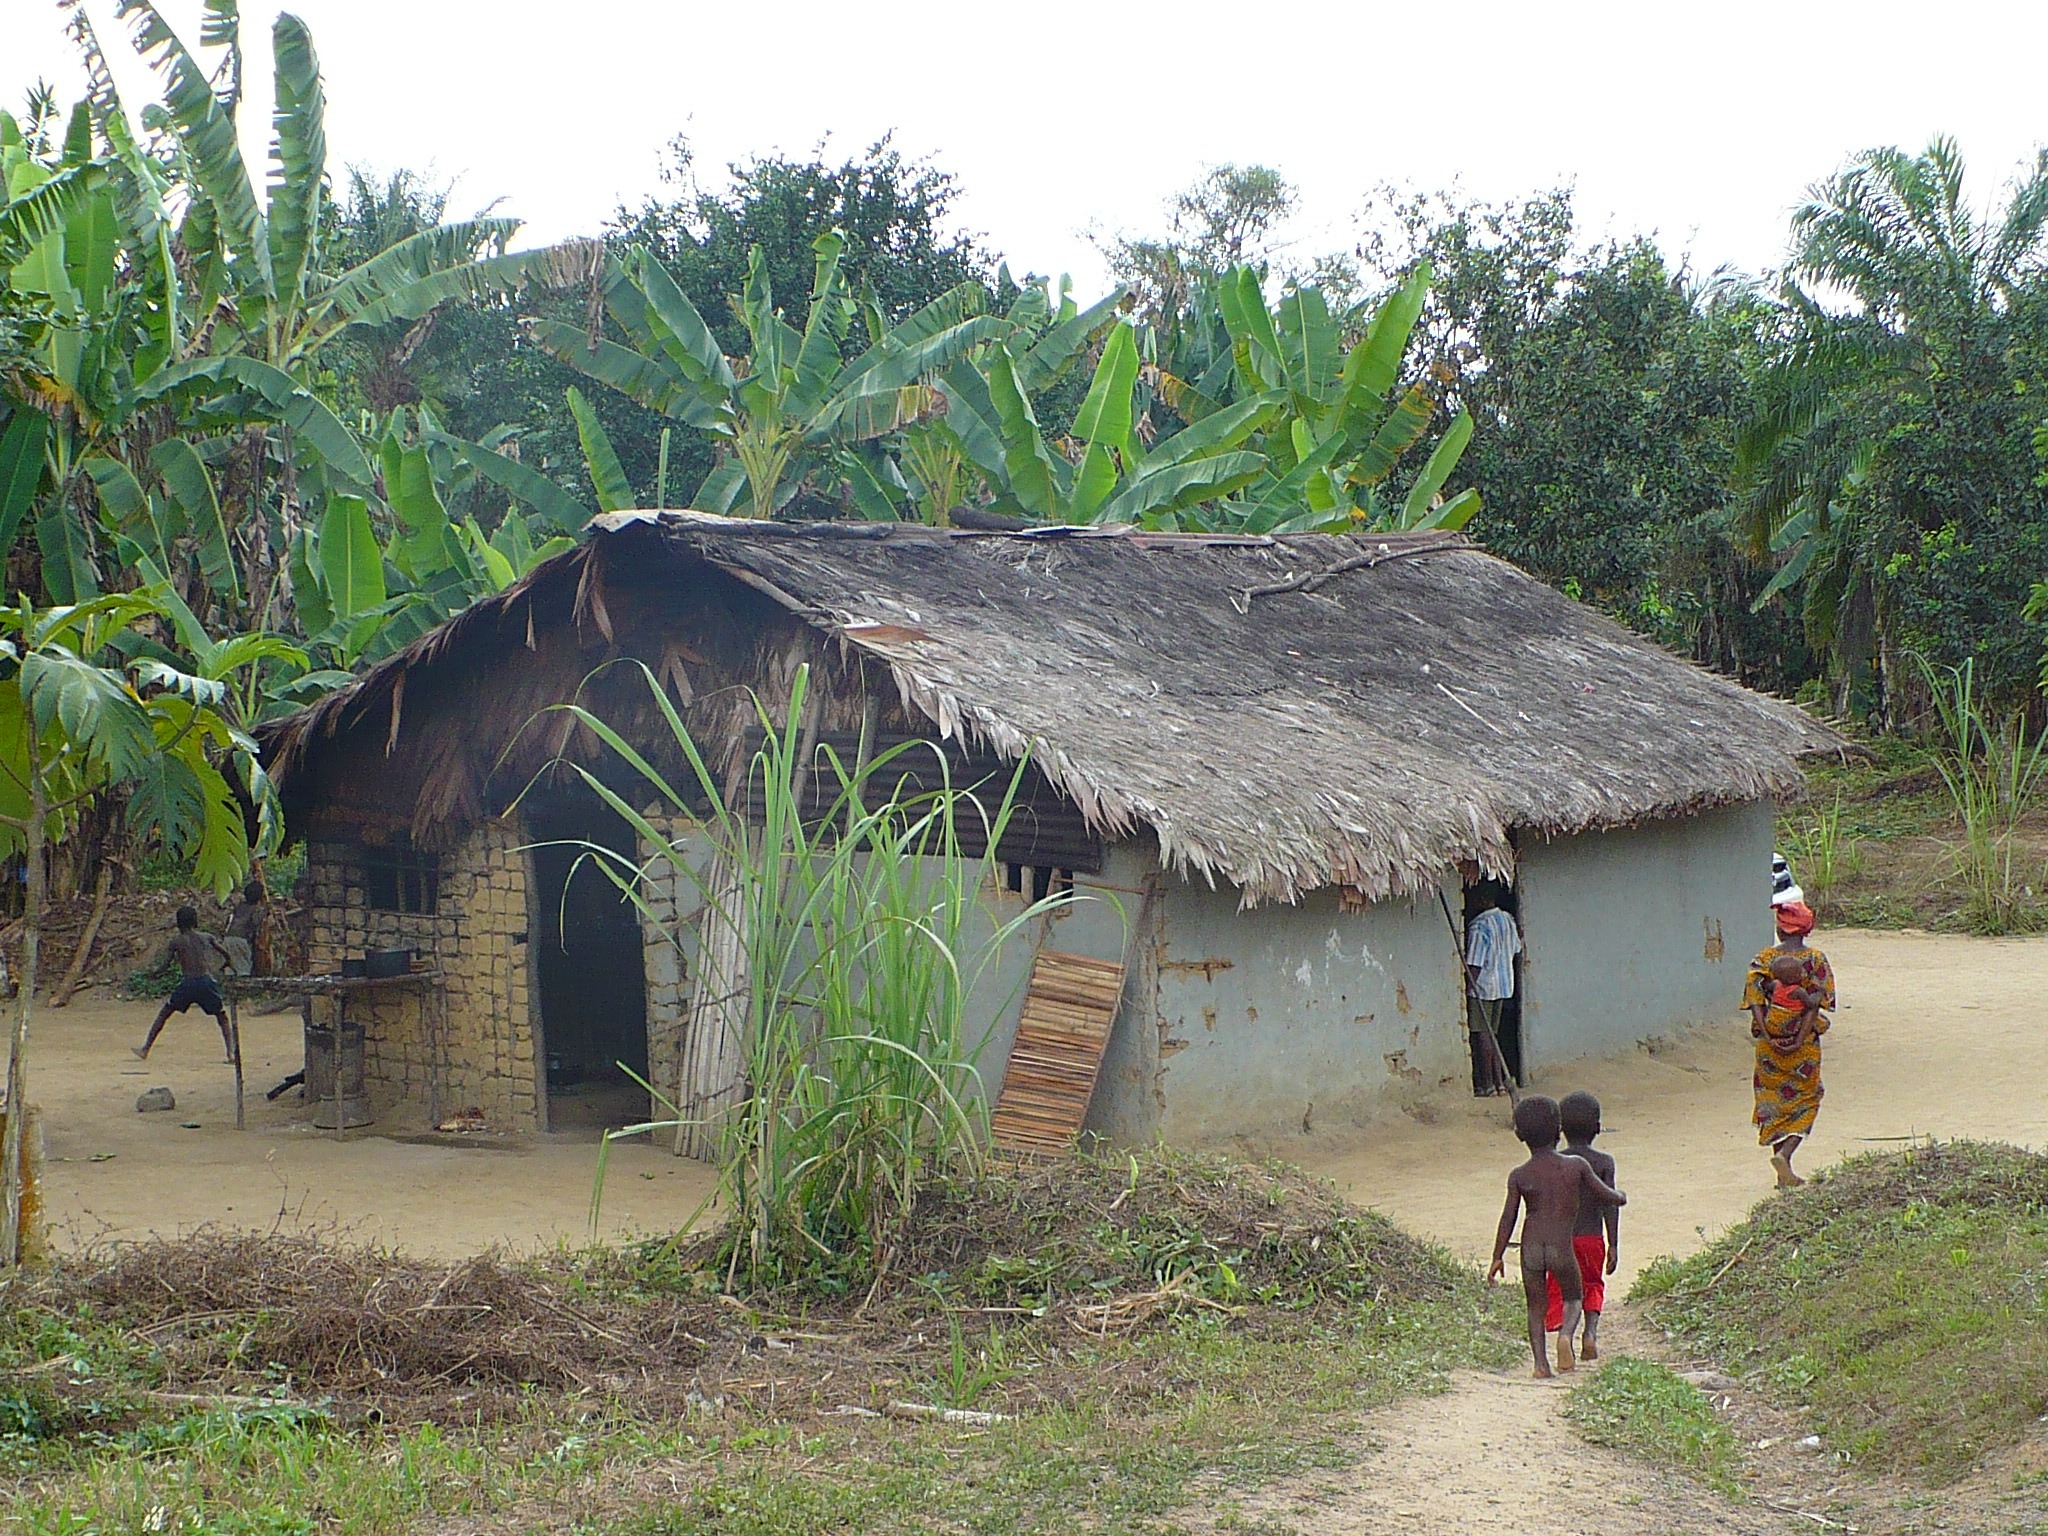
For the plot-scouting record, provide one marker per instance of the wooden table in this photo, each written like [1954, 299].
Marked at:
[306, 988]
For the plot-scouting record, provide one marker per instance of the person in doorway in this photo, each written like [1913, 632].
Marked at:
[1787, 1076]
[1550, 1188]
[196, 954]
[1492, 940]
[1596, 1235]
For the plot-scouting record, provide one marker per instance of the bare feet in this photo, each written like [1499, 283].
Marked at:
[1565, 1362]
[1542, 1373]
[141, 1052]
[1787, 1179]
[1589, 1350]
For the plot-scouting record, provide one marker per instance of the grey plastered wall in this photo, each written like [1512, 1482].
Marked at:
[1095, 923]
[1285, 1020]
[1640, 931]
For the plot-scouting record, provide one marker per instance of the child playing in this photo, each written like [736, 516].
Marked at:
[1550, 1186]
[195, 953]
[1598, 1251]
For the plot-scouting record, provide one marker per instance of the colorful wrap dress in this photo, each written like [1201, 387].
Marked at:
[1787, 1078]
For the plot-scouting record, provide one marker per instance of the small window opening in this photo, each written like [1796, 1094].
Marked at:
[1039, 881]
[400, 878]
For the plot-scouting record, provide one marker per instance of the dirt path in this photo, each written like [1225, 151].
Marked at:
[113, 1173]
[1937, 1035]
[1493, 1456]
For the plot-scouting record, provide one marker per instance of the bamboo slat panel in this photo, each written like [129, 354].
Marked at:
[1068, 1011]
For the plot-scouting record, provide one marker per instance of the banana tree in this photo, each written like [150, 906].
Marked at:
[792, 406]
[362, 593]
[228, 339]
[1105, 471]
[1343, 429]
[78, 719]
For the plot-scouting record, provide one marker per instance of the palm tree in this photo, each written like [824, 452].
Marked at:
[1898, 305]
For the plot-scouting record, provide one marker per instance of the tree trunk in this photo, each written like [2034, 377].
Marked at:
[14, 1163]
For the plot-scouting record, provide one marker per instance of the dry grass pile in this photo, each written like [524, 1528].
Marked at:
[1096, 1228]
[1051, 1256]
[245, 1314]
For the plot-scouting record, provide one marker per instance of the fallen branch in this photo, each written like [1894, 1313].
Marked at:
[86, 940]
[1733, 1258]
[947, 1415]
[1806, 1514]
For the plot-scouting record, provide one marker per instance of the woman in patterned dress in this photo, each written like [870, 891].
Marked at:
[1787, 1076]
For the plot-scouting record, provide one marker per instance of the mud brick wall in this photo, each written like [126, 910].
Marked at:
[480, 1047]
[672, 904]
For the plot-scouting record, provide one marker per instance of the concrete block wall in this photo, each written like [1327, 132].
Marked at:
[478, 1043]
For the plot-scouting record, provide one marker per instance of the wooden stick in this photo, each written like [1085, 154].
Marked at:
[235, 1050]
[80, 955]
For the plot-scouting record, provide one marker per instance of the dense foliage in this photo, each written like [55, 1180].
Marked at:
[311, 403]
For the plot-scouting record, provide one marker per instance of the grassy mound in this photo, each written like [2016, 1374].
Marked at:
[1081, 1249]
[1903, 1297]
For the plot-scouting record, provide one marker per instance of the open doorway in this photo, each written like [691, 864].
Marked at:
[589, 973]
[1479, 895]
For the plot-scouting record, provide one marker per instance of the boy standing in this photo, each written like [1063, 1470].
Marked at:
[1596, 1235]
[195, 953]
[1551, 1187]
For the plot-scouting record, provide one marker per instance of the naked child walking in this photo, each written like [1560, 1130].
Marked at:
[1548, 1187]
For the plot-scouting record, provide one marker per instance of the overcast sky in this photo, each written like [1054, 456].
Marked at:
[1702, 124]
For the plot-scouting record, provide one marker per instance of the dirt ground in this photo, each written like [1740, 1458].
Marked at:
[1937, 1035]
[112, 1173]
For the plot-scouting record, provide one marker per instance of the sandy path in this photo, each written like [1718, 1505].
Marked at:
[1493, 1457]
[1937, 1035]
[111, 1172]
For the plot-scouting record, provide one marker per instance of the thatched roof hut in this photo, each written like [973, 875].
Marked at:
[1283, 713]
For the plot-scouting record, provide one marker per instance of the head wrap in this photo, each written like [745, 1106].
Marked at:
[1795, 919]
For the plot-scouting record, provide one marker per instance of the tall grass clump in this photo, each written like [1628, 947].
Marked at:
[854, 939]
[1993, 770]
[1823, 854]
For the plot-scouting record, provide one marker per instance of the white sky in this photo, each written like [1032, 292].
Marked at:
[1702, 124]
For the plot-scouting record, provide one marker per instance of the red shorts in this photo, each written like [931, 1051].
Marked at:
[1591, 1252]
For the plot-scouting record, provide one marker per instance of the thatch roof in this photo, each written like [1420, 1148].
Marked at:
[1283, 713]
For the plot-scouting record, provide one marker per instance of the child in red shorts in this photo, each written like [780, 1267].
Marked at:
[1596, 1235]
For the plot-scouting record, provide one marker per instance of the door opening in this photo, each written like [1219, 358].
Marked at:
[1480, 895]
[589, 972]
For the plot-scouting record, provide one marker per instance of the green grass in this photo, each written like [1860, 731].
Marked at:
[1902, 1297]
[1887, 830]
[1641, 1407]
[1219, 1409]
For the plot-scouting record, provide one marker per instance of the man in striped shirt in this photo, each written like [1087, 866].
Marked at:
[1491, 943]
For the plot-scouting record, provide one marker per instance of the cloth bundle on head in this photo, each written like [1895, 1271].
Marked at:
[1795, 918]
[1782, 888]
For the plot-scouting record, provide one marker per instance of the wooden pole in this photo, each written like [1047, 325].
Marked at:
[235, 1050]
[79, 956]
[340, 1112]
[15, 1153]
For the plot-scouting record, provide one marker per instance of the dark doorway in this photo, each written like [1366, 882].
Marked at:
[1478, 896]
[588, 968]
